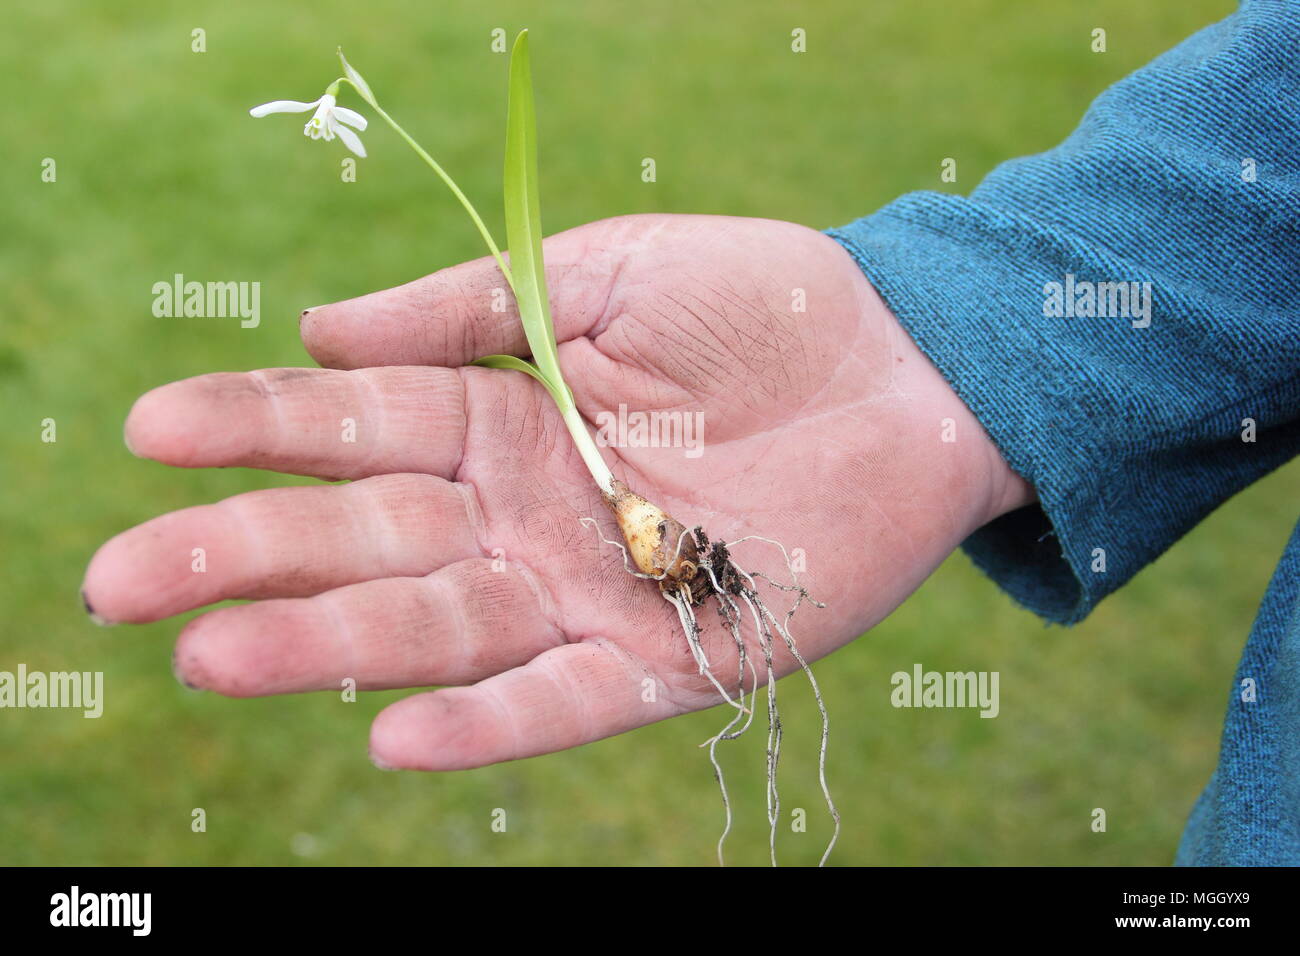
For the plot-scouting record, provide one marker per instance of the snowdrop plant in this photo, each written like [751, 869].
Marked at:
[687, 567]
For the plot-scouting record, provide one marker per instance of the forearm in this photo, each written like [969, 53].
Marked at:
[1127, 412]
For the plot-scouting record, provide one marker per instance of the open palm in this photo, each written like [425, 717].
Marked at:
[457, 554]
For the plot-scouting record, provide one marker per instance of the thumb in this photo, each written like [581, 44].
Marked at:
[467, 311]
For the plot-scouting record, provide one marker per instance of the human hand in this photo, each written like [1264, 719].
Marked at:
[456, 555]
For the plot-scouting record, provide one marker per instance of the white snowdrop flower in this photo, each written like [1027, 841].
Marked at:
[328, 121]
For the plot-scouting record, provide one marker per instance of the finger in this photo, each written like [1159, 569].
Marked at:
[562, 698]
[283, 542]
[306, 421]
[467, 311]
[458, 624]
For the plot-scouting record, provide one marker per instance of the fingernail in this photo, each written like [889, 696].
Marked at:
[101, 621]
[379, 764]
[180, 678]
[307, 312]
[126, 440]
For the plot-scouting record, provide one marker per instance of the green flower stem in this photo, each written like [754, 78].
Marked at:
[451, 184]
[534, 310]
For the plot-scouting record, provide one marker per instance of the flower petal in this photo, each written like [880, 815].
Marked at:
[351, 140]
[351, 117]
[282, 106]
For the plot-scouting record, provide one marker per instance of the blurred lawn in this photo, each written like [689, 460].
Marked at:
[160, 171]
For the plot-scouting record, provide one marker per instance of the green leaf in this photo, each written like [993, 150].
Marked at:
[524, 226]
[524, 237]
[519, 365]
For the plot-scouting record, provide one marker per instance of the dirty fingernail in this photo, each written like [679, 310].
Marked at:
[180, 678]
[90, 611]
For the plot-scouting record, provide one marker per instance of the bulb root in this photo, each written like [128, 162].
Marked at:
[689, 568]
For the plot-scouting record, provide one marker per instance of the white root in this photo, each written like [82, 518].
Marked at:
[730, 615]
[766, 627]
[773, 726]
[686, 614]
[784, 630]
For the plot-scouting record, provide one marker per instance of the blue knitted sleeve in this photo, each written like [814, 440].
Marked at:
[1121, 313]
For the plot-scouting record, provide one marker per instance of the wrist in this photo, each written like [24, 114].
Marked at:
[955, 448]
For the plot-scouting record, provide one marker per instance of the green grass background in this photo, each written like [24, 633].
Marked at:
[160, 170]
